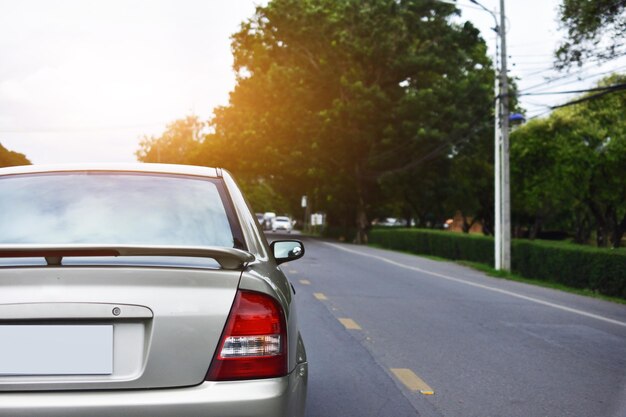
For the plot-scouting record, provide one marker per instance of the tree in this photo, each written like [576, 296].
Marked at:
[570, 169]
[10, 158]
[470, 188]
[334, 96]
[603, 133]
[177, 145]
[542, 183]
[264, 198]
[595, 29]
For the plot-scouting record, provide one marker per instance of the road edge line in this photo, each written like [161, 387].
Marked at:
[485, 287]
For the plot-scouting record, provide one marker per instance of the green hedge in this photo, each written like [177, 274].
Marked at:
[475, 248]
[600, 270]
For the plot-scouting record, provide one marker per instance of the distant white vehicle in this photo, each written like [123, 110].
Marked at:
[390, 222]
[268, 219]
[282, 223]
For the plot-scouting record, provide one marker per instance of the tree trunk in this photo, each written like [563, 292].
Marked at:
[488, 220]
[583, 229]
[602, 231]
[535, 228]
[610, 230]
[466, 225]
[602, 234]
[408, 209]
[361, 215]
[408, 218]
[361, 223]
[618, 233]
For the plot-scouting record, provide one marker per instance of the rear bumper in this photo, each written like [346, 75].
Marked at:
[276, 397]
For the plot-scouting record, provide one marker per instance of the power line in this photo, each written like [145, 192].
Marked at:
[517, 62]
[542, 113]
[587, 90]
[589, 65]
[545, 69]
[535, 104]
[551, 68]
[601, 91]
[587, 98]
[579, 79]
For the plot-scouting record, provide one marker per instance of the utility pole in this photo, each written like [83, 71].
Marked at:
[497, 186]
[502, 188]
[305, 206]
[502, 211]
[504, 169]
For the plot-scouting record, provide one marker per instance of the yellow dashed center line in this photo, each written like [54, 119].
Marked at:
[412, 381]
[350, 324]
[305, 282]
[320, 296]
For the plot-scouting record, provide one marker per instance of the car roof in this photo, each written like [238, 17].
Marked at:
[115, 167]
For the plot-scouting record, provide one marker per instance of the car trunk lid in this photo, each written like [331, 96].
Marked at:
[141, 327]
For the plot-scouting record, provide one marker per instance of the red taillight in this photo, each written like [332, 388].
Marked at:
[254, 343]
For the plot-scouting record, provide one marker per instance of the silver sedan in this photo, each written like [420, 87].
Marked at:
[142, 290]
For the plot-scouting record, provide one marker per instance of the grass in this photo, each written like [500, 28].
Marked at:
[492, 272]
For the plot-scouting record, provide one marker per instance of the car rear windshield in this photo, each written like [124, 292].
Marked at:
[116, 208]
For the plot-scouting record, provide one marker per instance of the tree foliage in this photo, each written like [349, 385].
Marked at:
[569, 170]
[595, 29]
[378, 108]
[176, 145]
[10, 158]
[335, 98]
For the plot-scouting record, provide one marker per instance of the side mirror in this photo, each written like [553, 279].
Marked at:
[287, 250]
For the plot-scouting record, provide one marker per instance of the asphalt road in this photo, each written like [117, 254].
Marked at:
[390, 334]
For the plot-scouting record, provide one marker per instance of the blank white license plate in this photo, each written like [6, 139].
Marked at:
[56, 350]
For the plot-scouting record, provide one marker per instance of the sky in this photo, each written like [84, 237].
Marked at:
[532, 35]
[84, 80]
